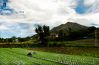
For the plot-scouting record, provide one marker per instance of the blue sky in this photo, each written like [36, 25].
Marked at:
[18, 17]
[4, 8]
[81, 8]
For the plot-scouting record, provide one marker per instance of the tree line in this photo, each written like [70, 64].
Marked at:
[44, 34]
[14, 39]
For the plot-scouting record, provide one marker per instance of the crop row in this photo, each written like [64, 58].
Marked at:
[17, 56]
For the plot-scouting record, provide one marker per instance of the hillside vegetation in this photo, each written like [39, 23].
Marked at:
[66, 26]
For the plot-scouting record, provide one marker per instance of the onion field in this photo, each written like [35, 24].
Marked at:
[18, 56]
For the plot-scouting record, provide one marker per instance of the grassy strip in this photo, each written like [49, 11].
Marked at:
[82, 51]
[21, 58]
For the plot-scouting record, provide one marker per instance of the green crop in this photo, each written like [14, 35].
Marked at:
[18, 56]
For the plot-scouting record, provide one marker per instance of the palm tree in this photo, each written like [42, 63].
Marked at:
[43, 33]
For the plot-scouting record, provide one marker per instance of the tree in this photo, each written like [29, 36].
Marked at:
[91, 29]
[61, 35]
[43, 33]
[13, 39]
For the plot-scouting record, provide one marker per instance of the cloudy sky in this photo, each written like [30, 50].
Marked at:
[18, 17]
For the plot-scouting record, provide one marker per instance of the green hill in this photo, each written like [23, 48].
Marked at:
[73, 31]
[65, 27]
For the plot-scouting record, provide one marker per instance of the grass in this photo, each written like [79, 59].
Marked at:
[82, 42]
[76, 43]
[81, 51]
[18, 56]
[83, 47]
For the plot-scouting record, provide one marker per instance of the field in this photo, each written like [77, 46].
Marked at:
[34, 43]
[18, 56]
[82, 42]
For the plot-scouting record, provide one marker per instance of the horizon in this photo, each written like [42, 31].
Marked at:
[50, 29]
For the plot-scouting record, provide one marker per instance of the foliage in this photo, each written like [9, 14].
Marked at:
[73, 31]
[15, 39]
[43, 33]
[61, 35]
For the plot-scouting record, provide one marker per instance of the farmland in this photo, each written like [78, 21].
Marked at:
[81, 51]
[18, 56]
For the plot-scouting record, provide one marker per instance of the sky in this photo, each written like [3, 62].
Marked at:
[19, 17]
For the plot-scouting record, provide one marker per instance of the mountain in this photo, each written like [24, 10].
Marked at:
[69, 25]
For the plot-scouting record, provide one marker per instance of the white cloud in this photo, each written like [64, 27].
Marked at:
[90, 2]
[2, 27]
[41, 10]
[49, 12]
[93, 6]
